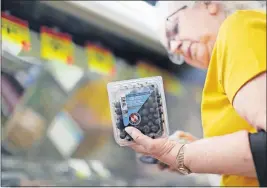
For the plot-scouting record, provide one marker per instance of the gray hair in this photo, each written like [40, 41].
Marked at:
[229, 6]
[164, 8]
[232, 6]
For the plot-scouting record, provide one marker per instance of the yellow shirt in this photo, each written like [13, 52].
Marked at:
[238, 56]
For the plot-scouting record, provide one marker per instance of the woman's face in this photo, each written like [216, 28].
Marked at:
[192, 31]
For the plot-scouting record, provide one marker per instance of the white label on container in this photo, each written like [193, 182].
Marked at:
[65, 134]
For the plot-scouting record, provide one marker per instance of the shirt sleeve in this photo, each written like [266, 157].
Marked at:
[243, 50]
[258, 148]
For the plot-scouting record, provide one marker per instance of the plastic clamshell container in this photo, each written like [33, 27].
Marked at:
[139, 103]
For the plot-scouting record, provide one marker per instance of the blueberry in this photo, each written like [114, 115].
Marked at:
[119, 120]
[155, 105]
[118, 111]
[117, 105]
[146, 105]
[152, 135]
[138, 127]
[145, 119]
[150, 101]
[152, 110]
[156, 115]
[144, 112]
[159, 133]
[154, 128]
[128, 138]
[153, 94]
[123, 134]
[146, 129]
[150, 116]
[119, 117]
[142, 129]
[150, 123]
[120, 125]
[157, 121]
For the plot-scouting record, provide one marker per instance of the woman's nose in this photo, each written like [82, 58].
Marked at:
[175, 45]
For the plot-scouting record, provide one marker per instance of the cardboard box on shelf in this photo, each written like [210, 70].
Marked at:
[24, 128]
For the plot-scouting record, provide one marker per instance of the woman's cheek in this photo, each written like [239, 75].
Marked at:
[195, 63]
[193, 50]
[202, 53]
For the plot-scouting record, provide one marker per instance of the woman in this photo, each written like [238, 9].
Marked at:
[231, 45]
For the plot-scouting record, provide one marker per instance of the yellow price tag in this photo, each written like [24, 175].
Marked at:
[56, 46]
[100, 60]
[16, 31]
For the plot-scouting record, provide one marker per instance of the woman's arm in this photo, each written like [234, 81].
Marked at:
[231, 154]
[250, 101]
[228, 155]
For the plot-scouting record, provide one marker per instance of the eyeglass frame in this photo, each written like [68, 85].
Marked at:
[175, 58]
[174, 13]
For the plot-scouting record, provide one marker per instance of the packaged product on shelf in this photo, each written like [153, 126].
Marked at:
[59, 117]
[139, 103]
[23, 129]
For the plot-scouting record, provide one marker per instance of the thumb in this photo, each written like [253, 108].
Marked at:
[139, 137]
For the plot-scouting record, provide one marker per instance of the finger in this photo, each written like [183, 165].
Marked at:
[138, 137]
[139, 149]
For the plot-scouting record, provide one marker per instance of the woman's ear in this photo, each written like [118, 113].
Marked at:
[213, 8]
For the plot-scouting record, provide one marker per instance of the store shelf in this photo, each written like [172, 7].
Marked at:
[124, 34]
[118, 17]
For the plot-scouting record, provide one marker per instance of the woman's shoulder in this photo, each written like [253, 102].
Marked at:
[240, 23]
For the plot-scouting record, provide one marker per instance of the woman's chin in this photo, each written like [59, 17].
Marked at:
[197, 64]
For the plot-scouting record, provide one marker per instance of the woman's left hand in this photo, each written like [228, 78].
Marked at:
[163, 149]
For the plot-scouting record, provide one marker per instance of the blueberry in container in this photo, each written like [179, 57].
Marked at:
[139, 103]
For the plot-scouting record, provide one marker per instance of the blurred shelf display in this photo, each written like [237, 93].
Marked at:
[49, 108]
[54, 173]
[56, 114]
[117, 25]
[123, 18]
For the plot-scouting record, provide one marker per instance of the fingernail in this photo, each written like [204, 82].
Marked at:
[129, 130]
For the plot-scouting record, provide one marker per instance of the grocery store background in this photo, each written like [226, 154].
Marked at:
[57, 57]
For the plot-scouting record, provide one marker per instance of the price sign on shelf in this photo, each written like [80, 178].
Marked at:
[16, 31]
[56, 46]
[100, 60]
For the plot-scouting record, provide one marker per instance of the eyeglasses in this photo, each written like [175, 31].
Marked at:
[172, 30]
[172, 26]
